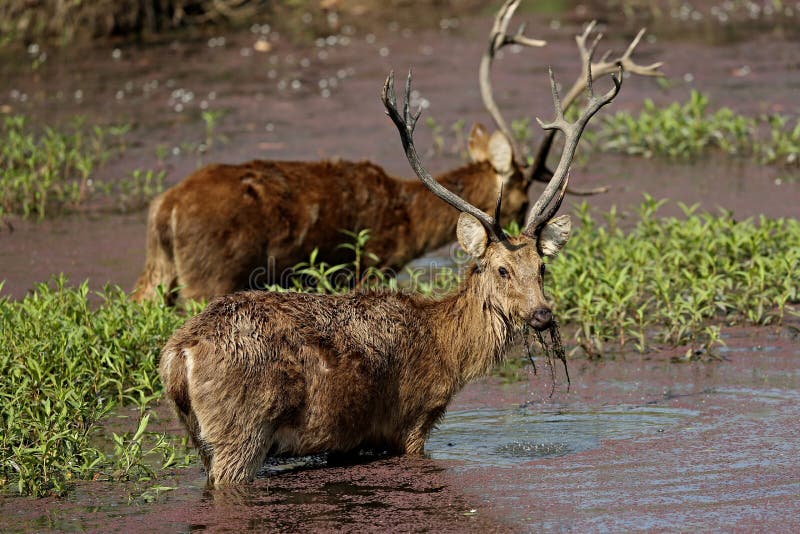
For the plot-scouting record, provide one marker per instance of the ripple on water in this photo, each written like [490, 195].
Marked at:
[509, 437]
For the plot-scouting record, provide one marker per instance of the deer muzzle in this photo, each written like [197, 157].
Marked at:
[541, 319]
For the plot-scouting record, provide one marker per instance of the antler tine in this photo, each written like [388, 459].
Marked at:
[498, 39]
[572, 132]
[405, 126]
[605, 65]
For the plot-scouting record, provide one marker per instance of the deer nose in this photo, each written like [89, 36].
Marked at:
[542, 317]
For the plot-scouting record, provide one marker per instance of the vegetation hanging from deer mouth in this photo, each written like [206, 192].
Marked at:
[553, 349]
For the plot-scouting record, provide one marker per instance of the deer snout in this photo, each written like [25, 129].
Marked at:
[541, 319]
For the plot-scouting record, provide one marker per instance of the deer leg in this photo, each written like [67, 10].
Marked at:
[159, 266]
[238, 461]
[415, 440]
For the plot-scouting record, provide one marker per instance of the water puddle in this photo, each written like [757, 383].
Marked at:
[504, 438]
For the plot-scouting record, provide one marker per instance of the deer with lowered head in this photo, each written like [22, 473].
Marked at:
[210, 234]
[280, 373]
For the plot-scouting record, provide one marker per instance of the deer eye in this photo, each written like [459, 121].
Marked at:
[542, 270]
[502, 271]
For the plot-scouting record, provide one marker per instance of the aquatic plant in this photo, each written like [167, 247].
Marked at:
[47, 169]
[686, 130]
[66, 365]
[54, 169]
[674, 280]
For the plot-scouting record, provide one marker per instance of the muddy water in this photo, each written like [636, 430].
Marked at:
[638, 443]
[319, 100]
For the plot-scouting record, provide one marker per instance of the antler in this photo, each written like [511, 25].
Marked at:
[405, 125]
[540, 214]
[538, 170]
[498, 39]
[606, 65]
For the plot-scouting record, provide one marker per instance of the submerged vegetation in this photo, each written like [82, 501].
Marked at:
[54, 169]
[68, 364]
[687, 130]
[679, 131]
[674, 280]
[51, 169]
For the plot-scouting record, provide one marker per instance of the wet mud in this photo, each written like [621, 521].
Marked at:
[638, 443]
[319, 99]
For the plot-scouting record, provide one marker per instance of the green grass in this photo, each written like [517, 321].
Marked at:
[42, 170]
[68, 365]
[674, 280]
[54, 170]
[684, 131]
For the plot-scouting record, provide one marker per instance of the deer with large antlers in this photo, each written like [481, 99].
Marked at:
[270, 373]
[210, 233]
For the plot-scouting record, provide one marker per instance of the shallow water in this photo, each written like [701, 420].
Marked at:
[510, 437]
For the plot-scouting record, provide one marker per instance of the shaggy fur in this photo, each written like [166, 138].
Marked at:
[213, 231]
[262, 373]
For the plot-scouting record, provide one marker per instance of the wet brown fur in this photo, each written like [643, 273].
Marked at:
[211, 233]
[264, 373]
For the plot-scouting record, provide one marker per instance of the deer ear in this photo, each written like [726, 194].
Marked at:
[554, 235]
[478, 143]
[471, 235]
[500, 153]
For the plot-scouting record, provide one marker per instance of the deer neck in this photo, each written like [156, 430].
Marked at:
[432, 221]
[474, 331]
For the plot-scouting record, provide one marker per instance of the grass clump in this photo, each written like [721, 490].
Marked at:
[47, 170]
[53, 170]
[674, 280]
[687, 130]
[66, 365]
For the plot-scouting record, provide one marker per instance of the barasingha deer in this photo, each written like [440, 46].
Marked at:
[262, 373]
[210, 233]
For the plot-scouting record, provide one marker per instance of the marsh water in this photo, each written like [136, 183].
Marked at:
[637, 443]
